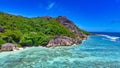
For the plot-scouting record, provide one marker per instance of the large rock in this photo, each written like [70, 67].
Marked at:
[67, 23]
[64, 41]
[9, 47]
[70, 25]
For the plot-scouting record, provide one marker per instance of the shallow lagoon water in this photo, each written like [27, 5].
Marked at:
[96, 52]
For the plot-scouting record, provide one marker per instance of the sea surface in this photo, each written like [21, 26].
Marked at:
[102, 51]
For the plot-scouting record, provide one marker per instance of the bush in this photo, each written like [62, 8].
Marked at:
[2, 42]
[34, 38]
[11, 36]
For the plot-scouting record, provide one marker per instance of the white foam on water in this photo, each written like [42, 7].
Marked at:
[112, 38]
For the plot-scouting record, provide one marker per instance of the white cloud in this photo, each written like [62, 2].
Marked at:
[51, 5]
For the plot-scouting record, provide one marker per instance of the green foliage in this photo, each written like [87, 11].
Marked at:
[1, 42]
[34, 38]
[11, 36]
[30, 31]
[18, 45]
[87, 33]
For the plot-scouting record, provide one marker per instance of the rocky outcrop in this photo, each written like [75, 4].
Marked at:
[68, 23]
[9, 47]
[64, 40]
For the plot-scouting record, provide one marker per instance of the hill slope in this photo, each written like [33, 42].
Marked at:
[35, 31]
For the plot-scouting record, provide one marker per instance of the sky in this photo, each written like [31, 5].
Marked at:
[90, 15]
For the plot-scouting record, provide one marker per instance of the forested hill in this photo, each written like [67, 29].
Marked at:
[34, 31]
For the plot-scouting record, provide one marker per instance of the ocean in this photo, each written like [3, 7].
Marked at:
[102, 51]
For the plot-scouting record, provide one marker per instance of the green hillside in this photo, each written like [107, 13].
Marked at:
[30, 31]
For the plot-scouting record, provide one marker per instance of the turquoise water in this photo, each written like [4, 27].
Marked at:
[96, 52]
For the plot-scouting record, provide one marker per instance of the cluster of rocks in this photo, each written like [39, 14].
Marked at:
[64, 40]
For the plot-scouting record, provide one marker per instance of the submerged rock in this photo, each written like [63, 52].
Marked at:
[9, 47]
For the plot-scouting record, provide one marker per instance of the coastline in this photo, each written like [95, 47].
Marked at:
[66, 33]
[27, 47]
[86, 52]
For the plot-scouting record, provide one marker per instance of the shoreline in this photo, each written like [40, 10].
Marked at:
[23, 48]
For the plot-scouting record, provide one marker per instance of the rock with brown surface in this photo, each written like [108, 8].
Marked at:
[9, 47]
[64, 41]
[67, 23]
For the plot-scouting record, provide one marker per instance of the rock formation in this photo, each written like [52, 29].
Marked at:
[70, 25]
[9, 47]
[44, 31]
[64, 40]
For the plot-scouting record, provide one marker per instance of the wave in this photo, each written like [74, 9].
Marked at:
[112, 38]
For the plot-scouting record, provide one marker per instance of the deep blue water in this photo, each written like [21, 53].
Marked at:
[96, 52]
[117, 34]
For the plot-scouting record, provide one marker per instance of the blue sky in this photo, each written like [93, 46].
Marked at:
[90, 15]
